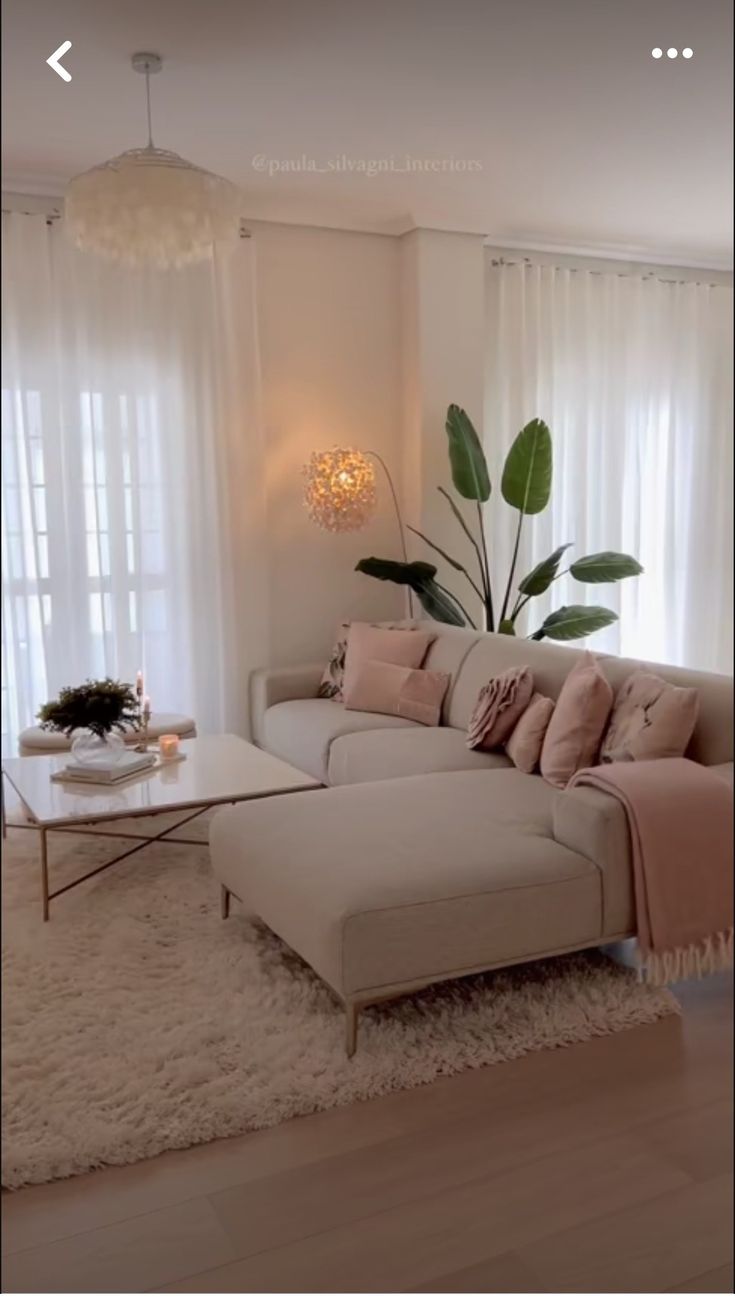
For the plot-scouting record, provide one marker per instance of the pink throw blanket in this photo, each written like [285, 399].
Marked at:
[680, 816]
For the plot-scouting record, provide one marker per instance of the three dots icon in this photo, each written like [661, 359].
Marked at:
[671, 53]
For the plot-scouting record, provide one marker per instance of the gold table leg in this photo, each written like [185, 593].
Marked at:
[44, 873]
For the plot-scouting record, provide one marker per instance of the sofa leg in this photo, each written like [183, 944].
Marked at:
[352, 1012]
[224, 902]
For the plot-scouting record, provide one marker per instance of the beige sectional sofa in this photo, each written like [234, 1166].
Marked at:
[424, 860]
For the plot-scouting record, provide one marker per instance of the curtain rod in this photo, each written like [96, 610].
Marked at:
[528, 262]
[56, 215]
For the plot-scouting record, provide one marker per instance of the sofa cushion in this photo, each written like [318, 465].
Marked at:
[301, 731]
[392, 884]
[399, 692]
[378, 755]
[404, 646]
[650, 719]
[488, 654]
[577, 725]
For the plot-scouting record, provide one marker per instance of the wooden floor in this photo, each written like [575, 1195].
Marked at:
[601, 1167]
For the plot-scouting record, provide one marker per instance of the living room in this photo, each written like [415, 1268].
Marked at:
[367, 647]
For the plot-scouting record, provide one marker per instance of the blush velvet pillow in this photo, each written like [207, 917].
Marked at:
[498, 708]
[404, 646]
[523, 745]
[402, 692]
[577, 724]
[331, 687]
[651, 719]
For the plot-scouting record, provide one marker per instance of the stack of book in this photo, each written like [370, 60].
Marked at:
[128, 764]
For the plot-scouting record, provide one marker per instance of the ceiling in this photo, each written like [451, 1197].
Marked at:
[544, 122]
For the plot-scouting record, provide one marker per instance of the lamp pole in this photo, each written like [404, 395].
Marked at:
[401, 530]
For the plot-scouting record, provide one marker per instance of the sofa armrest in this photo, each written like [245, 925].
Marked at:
[595, 825]
[270, 686]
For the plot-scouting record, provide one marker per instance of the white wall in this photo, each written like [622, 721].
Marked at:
[329, 323]
[443, 357]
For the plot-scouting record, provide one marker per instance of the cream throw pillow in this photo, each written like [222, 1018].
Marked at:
[651, 719]
[578, 722]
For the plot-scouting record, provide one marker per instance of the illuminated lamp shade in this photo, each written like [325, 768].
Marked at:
[339, 489]
[149, 206]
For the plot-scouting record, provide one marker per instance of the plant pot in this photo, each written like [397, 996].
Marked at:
[90, 750]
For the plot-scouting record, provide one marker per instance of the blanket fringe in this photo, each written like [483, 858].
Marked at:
[707, 957]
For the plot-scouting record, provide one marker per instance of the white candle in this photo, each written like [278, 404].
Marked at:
[139, 682]
[168, 746]
[147, 706]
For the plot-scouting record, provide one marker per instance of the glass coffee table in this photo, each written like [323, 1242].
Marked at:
[216, 770]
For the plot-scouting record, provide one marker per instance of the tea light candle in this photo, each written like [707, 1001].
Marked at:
[169, 746]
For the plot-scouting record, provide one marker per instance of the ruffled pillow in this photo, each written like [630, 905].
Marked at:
[498, 708]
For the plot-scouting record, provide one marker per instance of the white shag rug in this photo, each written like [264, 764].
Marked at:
[138, 1021]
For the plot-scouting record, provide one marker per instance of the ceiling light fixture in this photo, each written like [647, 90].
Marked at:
[150, 207]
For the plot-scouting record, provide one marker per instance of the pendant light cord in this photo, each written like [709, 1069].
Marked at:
[148, 107]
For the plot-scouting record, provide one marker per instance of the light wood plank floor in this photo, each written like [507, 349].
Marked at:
[602, 1167]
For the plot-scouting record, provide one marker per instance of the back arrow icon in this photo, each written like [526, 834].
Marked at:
[53, 61]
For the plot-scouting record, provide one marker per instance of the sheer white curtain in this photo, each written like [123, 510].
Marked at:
[633, 375]
[131, 484]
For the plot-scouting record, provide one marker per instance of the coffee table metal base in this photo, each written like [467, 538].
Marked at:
[82, 828]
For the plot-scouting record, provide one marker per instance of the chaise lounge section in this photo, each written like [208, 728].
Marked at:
[424, 860]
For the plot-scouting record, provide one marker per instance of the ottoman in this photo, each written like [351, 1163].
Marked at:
[34, 740]
[388, 886]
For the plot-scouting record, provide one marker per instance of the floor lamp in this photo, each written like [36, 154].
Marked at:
[341, 494]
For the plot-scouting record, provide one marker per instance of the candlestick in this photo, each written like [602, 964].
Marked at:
[145, 717]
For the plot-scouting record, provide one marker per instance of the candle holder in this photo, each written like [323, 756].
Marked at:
[144, 717]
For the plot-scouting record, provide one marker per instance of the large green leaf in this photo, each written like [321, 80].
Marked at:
[466, 457]
[526, 482]
[573, 621]
[540, 579]
[419, 576]
[606, 566]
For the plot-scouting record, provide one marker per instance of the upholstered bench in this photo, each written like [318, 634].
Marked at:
[387, 886]
[34, 740]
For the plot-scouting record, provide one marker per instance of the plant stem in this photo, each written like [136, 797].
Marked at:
[463, 525]
[513, 563]
[489, 614]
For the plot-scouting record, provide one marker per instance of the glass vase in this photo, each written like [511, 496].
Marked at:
[89, 750]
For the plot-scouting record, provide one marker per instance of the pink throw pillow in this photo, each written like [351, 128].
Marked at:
[404, 646]
[498, 708]
[401, 692]
[577, 724]
[332, 684]
[651, 719]
[523, 746]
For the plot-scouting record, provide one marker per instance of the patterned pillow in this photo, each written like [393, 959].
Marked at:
[330, 687]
